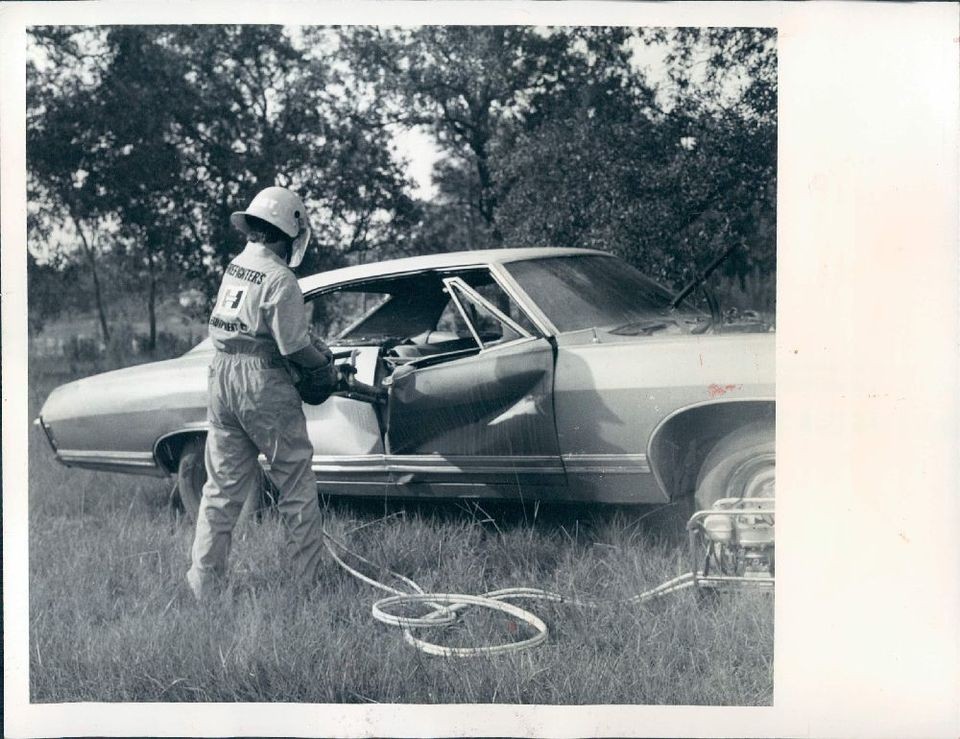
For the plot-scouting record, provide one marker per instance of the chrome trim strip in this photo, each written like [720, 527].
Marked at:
[340, 469]
[528, 459]
[371, 463]
[347, 458]
[435, 463]
[312, 292]
[506, 464]
[606, 463]
[408, 469]
[514, 342]
[130, 459]
[431, 360]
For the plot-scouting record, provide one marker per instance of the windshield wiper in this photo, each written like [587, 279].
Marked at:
[700, 278]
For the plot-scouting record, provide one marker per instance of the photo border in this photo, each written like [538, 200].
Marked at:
[867, 368]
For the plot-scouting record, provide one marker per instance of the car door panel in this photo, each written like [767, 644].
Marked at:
[346, 434]
[481, 419]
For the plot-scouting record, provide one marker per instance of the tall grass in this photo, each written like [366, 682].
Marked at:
[110, 620]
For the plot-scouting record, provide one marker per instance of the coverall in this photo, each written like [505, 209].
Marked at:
[253, 407]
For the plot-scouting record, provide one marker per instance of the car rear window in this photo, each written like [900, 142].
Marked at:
[578, 292]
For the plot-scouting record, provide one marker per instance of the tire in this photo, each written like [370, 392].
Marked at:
[192, 474]
[742, 464]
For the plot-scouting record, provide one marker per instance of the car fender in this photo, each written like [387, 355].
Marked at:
[166, 449]
[612, 396]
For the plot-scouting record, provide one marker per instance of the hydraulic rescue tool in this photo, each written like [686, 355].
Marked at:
[348, 386]
[317, 384]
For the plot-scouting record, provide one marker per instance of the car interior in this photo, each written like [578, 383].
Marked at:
[423, 318]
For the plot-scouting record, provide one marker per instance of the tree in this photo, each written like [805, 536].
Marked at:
[468, 84]
[143, 139]
[45, 288]
[554, 136]
[667, 177]
[262, 111]
[180, 126]
[715, 69]
[62, 148]
[722, 90]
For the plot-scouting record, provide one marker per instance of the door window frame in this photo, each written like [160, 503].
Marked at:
[457, 283]
[541, 326]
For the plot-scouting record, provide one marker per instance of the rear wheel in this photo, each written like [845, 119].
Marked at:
[192, 474]
[741, 465]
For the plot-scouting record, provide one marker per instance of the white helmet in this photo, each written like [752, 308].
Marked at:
[279, 207]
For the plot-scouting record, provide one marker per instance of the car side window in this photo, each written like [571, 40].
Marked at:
[334, 313]
[469, 314]
[451, 321]
[418, 310]
[483, 283]
[495, 295]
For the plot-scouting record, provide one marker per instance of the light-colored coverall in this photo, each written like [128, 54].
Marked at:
[253, 407]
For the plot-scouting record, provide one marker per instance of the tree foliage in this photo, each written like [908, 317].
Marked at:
[142, 140]
[666, 177]
[470, 85]
[553, 136]
[176, 127]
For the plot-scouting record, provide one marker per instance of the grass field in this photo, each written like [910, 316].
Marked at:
[108, 620]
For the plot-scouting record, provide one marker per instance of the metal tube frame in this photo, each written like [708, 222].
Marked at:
[700, 569]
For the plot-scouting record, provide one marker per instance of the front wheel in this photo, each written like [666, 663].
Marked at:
[741, 465]
[192, 474]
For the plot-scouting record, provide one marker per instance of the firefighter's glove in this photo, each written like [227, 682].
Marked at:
[317, 383]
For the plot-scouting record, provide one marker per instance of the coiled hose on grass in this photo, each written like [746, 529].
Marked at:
[446, 606]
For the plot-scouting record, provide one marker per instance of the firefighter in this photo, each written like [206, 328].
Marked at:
[258, 326]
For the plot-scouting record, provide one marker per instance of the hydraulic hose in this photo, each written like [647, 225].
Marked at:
[447, 605]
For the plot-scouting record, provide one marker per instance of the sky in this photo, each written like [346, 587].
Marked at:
[419, 148]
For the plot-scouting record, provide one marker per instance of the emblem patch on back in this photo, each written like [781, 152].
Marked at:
[231, 301]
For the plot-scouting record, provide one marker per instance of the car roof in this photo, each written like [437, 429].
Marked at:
[444, 260]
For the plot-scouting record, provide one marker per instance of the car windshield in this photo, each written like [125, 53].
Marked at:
[579, 292]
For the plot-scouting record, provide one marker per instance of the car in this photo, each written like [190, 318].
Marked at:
[534, 374]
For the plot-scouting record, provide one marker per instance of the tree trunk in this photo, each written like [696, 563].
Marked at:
[98, 297]
[487, 200]
[152, 301]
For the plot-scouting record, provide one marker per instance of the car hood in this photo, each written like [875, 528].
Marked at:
[737, 363]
